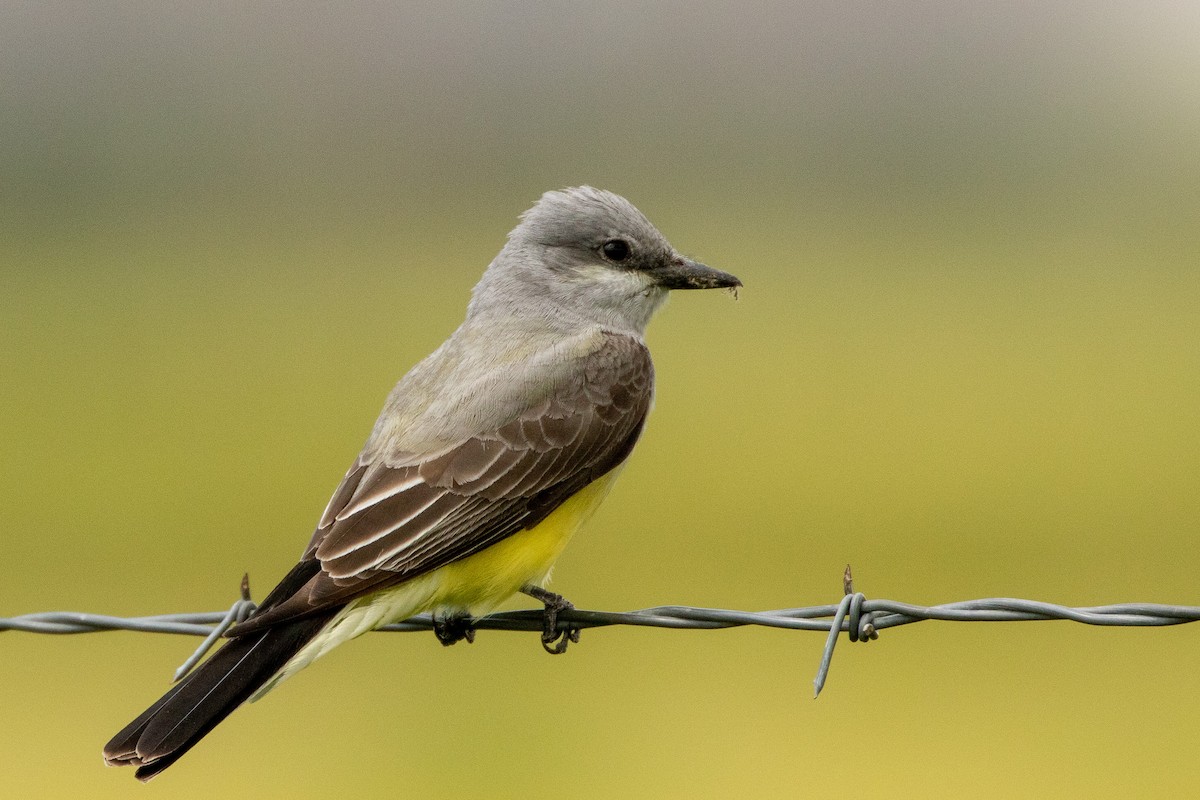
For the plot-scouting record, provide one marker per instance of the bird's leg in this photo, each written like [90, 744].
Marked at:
[453, 628]
[554, 641]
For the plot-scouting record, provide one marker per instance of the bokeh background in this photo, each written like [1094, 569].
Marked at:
[966, 360]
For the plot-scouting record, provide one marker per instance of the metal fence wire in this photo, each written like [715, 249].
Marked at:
[861, 619]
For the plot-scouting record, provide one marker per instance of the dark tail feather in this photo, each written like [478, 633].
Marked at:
[184, 715]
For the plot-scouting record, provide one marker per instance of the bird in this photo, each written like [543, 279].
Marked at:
[487, 457]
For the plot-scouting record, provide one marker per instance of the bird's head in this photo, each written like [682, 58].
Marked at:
[591, 254]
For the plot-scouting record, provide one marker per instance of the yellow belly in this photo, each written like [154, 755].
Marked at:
[475, 584]
[480, 582]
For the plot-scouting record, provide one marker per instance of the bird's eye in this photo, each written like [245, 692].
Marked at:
[616, 249]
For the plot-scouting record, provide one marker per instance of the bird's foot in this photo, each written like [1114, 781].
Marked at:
[454, 628]
[554, 641]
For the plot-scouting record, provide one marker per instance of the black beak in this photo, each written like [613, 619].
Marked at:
[683, 273]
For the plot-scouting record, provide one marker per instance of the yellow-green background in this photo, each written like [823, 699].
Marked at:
[966, 360]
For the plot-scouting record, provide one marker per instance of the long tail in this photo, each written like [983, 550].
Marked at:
[184, 715]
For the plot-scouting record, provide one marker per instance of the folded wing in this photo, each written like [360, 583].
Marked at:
[386, 524]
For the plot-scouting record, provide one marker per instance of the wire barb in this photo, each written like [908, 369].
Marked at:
[859, 626]
[237, 612]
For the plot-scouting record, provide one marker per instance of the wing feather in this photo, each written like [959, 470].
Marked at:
[372, 554]
[383, 484]
[377, 521]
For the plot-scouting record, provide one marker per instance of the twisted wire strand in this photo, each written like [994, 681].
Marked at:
[889, 614]
[861, 619]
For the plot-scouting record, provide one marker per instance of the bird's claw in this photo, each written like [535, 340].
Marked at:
[454, 628]
[554, 641]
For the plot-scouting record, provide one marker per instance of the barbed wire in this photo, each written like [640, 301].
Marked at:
[861, 619]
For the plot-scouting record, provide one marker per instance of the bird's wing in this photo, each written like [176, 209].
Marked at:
[386, 524]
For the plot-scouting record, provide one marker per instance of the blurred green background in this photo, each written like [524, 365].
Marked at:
[966, 360]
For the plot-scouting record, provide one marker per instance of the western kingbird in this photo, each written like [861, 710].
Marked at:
[486, 458]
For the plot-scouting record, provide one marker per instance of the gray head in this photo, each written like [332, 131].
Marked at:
[586, 255]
